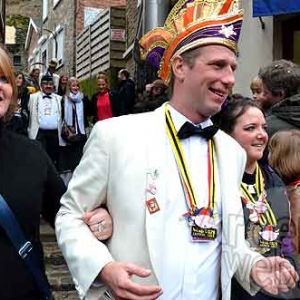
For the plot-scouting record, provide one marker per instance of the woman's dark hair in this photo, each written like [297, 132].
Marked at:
[233, 109]
[23, 88]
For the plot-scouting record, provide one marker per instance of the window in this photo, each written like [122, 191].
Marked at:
[37, 57]
[44, 58]
[44, 51]
[17, 60]
[45, 9]
[58, 52]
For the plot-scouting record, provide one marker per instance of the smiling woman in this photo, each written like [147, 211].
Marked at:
[30, 186]
[8, 89]
[265, 204]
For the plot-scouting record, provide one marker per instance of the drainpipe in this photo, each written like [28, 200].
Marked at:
[156, 12]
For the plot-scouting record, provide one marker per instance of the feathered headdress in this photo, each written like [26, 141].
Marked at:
[191, 24]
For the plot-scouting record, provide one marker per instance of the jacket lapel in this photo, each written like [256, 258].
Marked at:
[232, 223]
[156, 172]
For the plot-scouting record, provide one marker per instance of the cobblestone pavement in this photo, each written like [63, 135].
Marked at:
[56, 268]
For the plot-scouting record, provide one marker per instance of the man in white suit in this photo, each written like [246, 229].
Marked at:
[170, 181]
[45, 118]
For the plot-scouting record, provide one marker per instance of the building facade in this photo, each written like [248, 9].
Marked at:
[18, 14]
[62, 21]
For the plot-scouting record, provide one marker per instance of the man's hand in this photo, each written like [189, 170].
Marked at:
[274, 274]
[117, 277]
[100, 223]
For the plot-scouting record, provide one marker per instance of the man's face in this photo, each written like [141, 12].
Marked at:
[120, 76]
[208, 83]
[156, 91]
[271, 99]
[52, 69]
[47, 87]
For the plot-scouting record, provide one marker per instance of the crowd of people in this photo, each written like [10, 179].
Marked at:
[182, 191]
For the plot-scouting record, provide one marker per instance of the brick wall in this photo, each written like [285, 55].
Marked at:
[131, 20]
[81, 4]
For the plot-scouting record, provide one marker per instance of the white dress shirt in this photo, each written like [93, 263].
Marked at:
[48, 112]
[191, 270]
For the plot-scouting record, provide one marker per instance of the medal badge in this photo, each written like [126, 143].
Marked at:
[201, 221]
[151, 190]
[152, 206]
[202, 225]
[268, 236]
[262, 233]
[253, 237]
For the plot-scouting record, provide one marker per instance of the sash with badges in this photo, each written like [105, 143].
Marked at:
[261, 213]
[201, 220]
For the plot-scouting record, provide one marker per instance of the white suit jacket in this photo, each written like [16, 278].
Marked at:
[33, 126]
[117, 157]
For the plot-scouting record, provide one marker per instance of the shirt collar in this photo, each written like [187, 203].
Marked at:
[179, 119]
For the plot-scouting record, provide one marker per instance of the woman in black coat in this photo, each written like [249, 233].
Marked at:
[30, 186]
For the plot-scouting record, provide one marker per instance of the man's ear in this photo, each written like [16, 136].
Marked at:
[178, 67]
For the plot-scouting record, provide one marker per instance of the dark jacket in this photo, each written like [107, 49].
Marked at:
[31, 187]
[156, 102]
[19, 122]
[126, 95]
[284, 115]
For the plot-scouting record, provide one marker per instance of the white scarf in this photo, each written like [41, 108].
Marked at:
[69, 101]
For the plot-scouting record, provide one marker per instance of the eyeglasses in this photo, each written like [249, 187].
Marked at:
[47, 83]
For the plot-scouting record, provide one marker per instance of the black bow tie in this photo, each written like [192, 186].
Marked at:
[188, 129]
[47, 96]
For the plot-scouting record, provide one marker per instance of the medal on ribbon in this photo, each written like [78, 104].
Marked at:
[260, 212]
[201, 220]
[269, 236]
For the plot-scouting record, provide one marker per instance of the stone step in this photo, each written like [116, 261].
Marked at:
[56, 268]
[65, 295]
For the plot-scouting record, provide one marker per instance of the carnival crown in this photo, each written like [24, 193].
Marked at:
[190, 24]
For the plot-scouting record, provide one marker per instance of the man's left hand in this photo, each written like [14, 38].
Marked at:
[275, 275]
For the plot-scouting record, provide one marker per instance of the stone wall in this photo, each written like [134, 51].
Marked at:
[18, 13]
[27, 8]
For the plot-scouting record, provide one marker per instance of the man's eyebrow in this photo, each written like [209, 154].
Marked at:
[222, 61]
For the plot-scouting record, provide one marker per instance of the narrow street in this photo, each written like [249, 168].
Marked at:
[56, 268]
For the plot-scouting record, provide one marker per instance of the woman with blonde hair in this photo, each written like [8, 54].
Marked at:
[29, 187]
[284, 157]
[75, 109]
